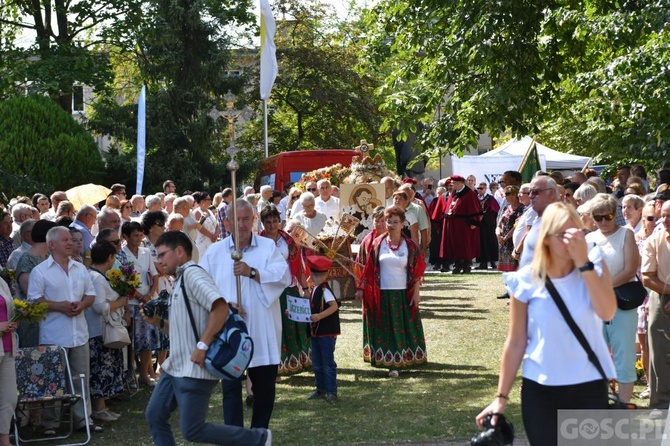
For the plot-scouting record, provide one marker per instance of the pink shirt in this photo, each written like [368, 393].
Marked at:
[7, 337]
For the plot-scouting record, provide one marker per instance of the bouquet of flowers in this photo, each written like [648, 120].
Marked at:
[28, 311]
[124, 280]
[7, 275]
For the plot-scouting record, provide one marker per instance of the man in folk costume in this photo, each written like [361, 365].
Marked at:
[460, 213]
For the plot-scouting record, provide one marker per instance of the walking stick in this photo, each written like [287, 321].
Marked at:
[233, 165]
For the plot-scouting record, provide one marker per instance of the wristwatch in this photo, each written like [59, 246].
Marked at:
[201, 346]
[588, 266]
[252, 273]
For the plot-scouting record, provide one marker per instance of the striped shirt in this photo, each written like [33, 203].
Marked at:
[202, 292]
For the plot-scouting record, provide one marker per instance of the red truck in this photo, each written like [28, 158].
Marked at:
[285, 167]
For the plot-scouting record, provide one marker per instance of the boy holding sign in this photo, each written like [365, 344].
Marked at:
[325, 327]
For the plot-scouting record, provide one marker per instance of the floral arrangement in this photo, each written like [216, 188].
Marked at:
[366, 169]
[639, 368]
[7, 275]
[28, 311]
[335, 174]
[124, 280]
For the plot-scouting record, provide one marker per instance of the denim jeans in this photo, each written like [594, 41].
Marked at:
[263, 385]
[323, 362]
[192, 396]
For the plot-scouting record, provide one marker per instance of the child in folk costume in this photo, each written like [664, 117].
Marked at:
[325, 327]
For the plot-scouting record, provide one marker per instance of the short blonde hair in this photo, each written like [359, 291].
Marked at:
[603, 204]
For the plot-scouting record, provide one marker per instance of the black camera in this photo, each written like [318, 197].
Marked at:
[159, 306]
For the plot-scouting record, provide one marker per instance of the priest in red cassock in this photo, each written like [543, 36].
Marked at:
[460, 212]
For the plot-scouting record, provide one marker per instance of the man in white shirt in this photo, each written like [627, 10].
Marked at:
[266, 195]
[184, 379]
[20, 213]
[27, 242]
[325, 202]
[390, 186]
[543, 191]
[56, 198]
[264, 274]
[66, 287]
[428, 191]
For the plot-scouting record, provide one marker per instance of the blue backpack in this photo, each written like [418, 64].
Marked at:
[229, 355]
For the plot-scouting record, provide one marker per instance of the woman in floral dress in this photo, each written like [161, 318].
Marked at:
[505, 230]
[295, 346]
[393, 336]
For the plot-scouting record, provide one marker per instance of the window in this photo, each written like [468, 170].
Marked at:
[78, 99]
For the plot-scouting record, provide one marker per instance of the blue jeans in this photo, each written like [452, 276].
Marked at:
[192, 396]
[323, 362]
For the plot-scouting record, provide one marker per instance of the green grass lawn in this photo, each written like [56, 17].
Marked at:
[465, 329]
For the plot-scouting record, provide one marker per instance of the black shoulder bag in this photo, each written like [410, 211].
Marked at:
[615, 402]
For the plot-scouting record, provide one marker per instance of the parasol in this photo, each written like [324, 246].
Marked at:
[87, 194]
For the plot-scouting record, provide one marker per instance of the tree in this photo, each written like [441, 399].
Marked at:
[45, 144]
[319, 99]
[520, 66]
[182, 57]
[65, 48]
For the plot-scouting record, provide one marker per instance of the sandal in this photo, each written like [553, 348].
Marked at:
[49, 432]
[95, 428]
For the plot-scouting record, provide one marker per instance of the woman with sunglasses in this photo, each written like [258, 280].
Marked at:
[126, 210]
[505, 229]
[293, 196]
[648, 225]
[621, 255]
[557, 373]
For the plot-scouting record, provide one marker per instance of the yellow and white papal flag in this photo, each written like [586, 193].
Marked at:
[268, 50]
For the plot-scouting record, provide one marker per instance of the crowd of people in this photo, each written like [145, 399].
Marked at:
[551, 227]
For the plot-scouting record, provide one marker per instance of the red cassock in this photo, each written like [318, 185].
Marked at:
[458, 212]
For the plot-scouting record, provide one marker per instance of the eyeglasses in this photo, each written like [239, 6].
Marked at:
[524, 193]
[312, 189]
[599, 218]
[115, 242]
[650, 218]
[507, 194]
[295, 197]
[537, 191]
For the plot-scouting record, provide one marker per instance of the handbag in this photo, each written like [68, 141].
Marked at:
[630, 295]
[230, 353]
[615, 402]
[114, 334]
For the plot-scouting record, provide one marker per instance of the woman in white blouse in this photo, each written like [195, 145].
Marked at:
[556, 370]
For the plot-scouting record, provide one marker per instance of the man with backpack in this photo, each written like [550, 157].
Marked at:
[185, 382]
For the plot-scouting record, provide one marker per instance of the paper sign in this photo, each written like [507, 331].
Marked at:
[298, 309]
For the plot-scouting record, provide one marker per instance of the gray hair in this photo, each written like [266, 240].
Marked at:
[179, 201]
[241, 203]
[598, 183]
[104, 214]
[135, 198]
[636, 201]
[306, 197]
[323, 181]
[265, 188]
[85, 209]
[55, 233]
[26, 226]
[585, 192]
[19, 209]
[152, 200]
[603, 203]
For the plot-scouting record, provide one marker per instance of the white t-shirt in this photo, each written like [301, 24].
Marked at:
[313, 225]
[393, 266]
[553, 355]
[530, 243]
[526, 219]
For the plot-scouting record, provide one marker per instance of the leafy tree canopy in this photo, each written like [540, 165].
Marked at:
[43, 146]
[587, 75]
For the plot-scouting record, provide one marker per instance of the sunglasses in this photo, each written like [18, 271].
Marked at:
[295, 197]
[509, 193]
[537, 191]
[650, 218]
[481, 188]
[607, 217]
[312, 189]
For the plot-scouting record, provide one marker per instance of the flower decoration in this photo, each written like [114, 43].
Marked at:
[7, 274]
[28, 311]
[124, 280]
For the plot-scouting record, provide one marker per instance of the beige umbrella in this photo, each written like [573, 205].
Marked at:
[87, 194]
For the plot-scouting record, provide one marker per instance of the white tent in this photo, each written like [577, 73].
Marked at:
[555, 160]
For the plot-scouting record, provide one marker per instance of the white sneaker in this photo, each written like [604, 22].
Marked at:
[645, 393]
[268, 439]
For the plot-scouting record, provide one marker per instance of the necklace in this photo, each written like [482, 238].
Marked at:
[393, 247]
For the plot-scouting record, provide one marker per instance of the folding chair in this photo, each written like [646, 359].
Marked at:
[44, 379]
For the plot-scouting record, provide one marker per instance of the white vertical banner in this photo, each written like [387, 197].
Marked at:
[268, 50]
[141, 138]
